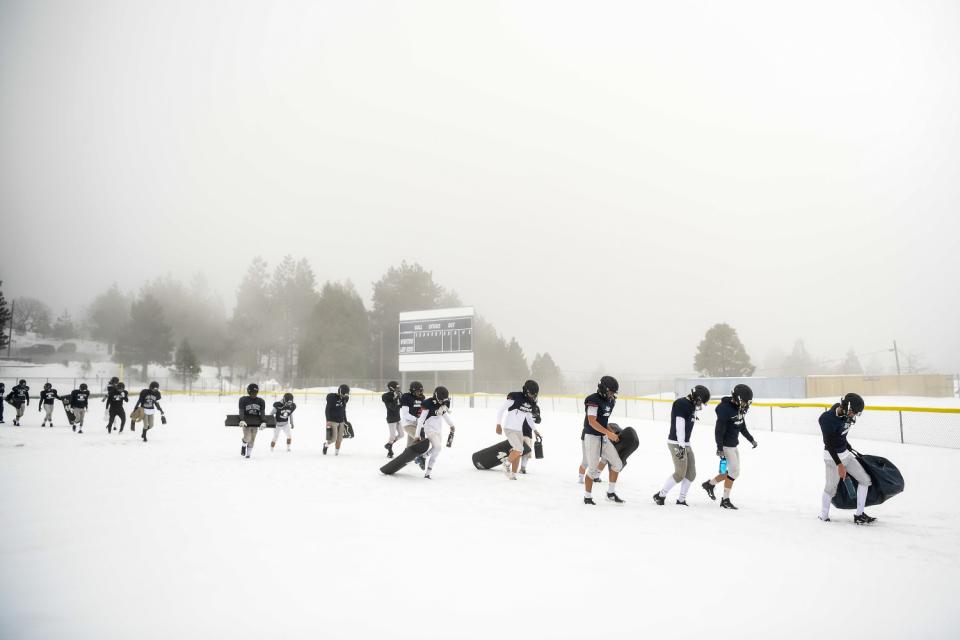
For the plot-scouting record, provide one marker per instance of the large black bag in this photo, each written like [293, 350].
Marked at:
[887, 482]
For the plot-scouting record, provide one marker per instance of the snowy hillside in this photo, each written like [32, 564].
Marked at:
[108, 537]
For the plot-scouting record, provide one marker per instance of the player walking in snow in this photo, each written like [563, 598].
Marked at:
[3, 397]
[149, 404]
[78, 406]
[598, 439]
[336, 414]
[838, 456]
[429, 427]
[411, 404]
[391, 400]
[252, 410]
[117, 395]
[519, 409]
[20, 399]
[731, 424]
[683, 414]
[46, 404]
[283, 411]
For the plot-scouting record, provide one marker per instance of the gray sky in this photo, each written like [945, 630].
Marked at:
[602, 180]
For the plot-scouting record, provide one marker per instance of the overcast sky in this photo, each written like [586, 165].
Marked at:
[604, 181]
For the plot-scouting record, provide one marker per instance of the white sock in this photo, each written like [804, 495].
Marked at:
[726, 493]
[336, 452]
[670, 483]
[825, 505]
[587, 494]
[612, 487]
[684, 485]
[861, 498]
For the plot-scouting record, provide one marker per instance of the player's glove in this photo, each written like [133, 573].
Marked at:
[719, 453]
[754, 443]
[242, 424]
[681, 452]
[163, 418]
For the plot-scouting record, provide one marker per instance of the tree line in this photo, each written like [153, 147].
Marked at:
[285, 325]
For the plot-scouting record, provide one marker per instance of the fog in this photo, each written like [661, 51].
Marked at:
[604, 181]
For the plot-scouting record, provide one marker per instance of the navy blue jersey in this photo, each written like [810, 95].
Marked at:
[148, 399]
[391, 400]
[336, 410]
[730, 424]
[432, 407]
[283, 410]
[683, 412]
[834, 429]
[595, 403]
[78, 399]
[21, 394]
[116, 397]
[413, 404]
[252, 410]
[47, 396]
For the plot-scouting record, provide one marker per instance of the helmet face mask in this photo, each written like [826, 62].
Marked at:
[851, 406]
[22, 381]
[608, 387]
[393, 385]
[121, 386]
[531, 390]
[700, 396]
[253, 389]
[441, 394]
[288, 397]
[47, 385]
[83, 386]
[416, 389]
[743, 395]
[343, 391]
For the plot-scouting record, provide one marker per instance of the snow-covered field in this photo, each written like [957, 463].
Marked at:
[104, 536]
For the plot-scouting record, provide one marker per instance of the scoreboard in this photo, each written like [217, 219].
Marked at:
[436, 340]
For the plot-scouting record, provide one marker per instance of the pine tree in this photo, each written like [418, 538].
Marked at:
[851, 364]
[4, 320]
[108, 314]
[799, 362]
[408, 287]
[721, 354]
[147, 338]
[250, 324]
[337, 339]
[547, 374]
[185, 363]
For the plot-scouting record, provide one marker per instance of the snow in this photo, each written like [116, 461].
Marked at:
[105, 536]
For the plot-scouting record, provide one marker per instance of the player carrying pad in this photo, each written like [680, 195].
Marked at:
[405, 457]
[233, 420]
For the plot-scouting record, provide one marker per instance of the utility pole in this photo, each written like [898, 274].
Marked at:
[896, 355]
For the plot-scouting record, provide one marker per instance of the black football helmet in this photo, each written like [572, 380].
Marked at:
[608, 387]
[343, 391]
[742, 396]
[531, 390]
[393, 385]
[253, 388]
[441, 394]
[700, 395]
[288, 397]
[416, 388]
[852, 406]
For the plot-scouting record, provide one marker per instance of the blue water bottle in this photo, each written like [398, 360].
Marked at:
[723, 466]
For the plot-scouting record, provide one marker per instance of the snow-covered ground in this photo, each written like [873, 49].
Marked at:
[105, 536]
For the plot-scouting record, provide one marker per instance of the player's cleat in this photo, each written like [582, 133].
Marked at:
[613, 497]
[80, 430]
[325, 445]
[143, 434]
[726, 504]
[523, 471]
[589, 501]
[427, 476]
[659, 499]
[243, 450]
[74, 427]
[863, 518]
[822, 519]
[709, 489]
[389, 448]
[682, 503]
